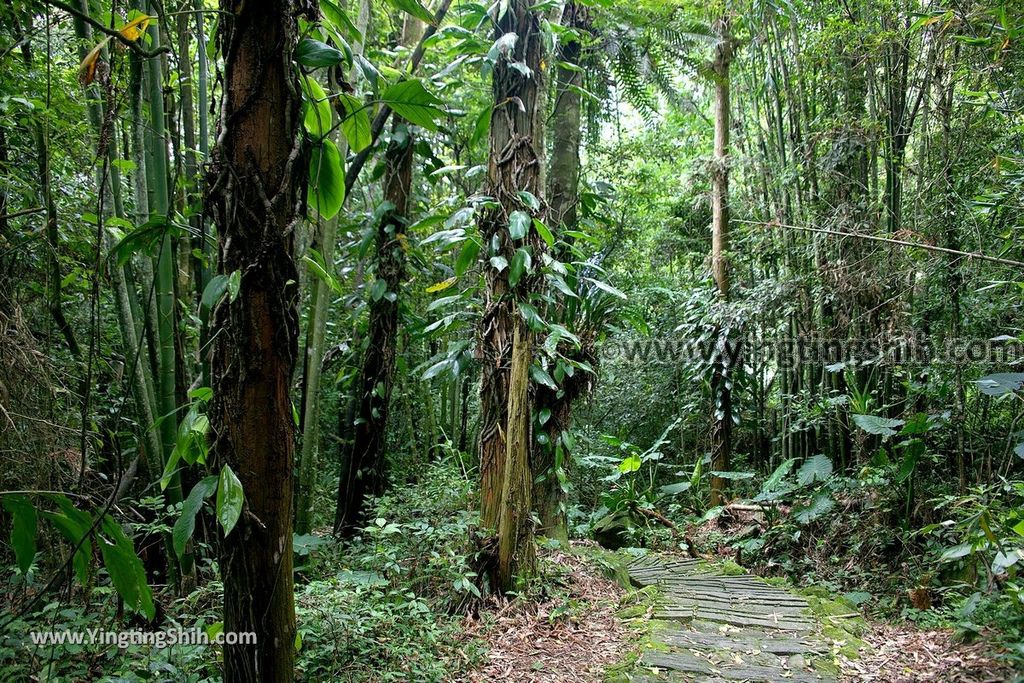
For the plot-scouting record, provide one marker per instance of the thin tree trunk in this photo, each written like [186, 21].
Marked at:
[516, 552]
[314, 352]
[721, 389]
[550, 461]
[366, 475]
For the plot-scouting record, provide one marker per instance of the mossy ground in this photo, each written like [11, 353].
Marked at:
[841, 623]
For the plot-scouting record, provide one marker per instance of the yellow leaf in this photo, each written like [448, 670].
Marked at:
[87, 71]
[442, 285]
[134, 29]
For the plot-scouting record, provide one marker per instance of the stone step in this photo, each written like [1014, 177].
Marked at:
[685, 662]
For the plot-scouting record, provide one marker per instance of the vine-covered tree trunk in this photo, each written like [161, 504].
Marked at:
[257, 181]
[514, 167]
[550, 461]
[721, 389]
[363, 471]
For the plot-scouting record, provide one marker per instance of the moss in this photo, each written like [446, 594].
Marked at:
[725, 567]
[731, 568]
[835, 610]
[841, 625]
[612, 564]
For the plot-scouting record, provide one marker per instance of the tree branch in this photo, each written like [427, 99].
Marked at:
[132, 45]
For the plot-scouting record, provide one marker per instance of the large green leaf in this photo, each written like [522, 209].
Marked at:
[318, 120]
[675, 489]
[820, 505]
[214, 290]
[521, 263]
[467, 256]
[772, 483]
[314, 54]
[340, 21]
[629, 464]
[414, 8]
[410, 100]
[1001, 383]
[230, 499]
[356, 122]
[186, 523]
[74, 524]
[816, 468]
[125, 568]
[881, 426]
[518, 224]
[541, 376]
[24, 525]
[326, 180]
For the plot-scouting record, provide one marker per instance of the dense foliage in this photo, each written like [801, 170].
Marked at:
[735, 280]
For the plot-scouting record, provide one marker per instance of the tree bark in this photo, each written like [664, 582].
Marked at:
[315, 332]
[365, 467]
[514, 165]
[257, 182]
[721, 394]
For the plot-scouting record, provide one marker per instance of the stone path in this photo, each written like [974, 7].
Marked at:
[726, 628]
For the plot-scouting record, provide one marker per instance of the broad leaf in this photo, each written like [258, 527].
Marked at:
[356, 122]
[414, 8]
[125, 568]
[410, 100]
[314, 54]
[816, 468]
[881, 426]
[674, 489]
[521, 263]
[630, 464]
[24, 526]
[820, 505]
[518, 224]
[541, 376]
[230, 499]
[326, 180]
[1001, 383]
[186, 523]
[318, 119]
[467, 256]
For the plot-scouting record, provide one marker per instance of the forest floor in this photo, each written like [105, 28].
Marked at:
[570, 635]
[687, 620]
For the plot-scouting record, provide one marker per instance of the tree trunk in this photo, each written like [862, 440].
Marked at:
[721, 393]
[316, 328]
[366, 470]
[516, 552]
[550, 461]
[259, 177]
[514, 166]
